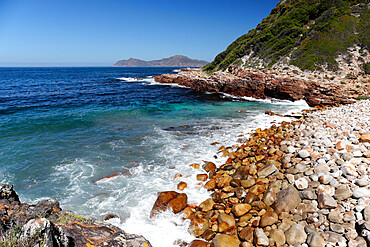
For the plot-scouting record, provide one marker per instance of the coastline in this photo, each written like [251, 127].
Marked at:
[231, 153]
[301, 182]
[318, 163]
[264, 84]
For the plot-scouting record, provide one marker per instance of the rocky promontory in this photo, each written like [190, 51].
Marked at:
[46, 224]
[262, 84]
[174, 61]
[300, 183]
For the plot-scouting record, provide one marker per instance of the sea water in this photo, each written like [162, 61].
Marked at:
[65, 131]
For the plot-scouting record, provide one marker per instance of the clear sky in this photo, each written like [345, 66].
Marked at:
[100, 32]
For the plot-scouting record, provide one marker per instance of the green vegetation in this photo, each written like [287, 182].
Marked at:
[313, 32]
[367, 68]
[66, 216]
[13, 239]
[363, 97]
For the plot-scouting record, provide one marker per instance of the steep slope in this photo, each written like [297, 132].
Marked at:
[174, 61]
[309, 34]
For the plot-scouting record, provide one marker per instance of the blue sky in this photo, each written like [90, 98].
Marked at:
[92, 32]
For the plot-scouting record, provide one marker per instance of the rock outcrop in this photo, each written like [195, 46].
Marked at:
[260, 84]
[46, 224]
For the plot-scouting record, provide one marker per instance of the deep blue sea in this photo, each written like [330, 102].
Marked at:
[64, 129]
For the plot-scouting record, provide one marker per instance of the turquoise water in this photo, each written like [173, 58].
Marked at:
[63, 129]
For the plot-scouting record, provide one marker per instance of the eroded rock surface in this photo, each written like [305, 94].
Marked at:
[45, 222]
[260, 84]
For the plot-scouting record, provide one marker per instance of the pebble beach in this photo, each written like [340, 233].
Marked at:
[300, 183]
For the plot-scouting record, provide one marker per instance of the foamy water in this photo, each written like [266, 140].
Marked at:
[63, 134]
[132, 196]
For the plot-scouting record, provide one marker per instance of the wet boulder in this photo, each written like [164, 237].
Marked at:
[169, 199]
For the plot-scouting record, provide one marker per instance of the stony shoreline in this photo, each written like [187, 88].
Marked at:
[304, 183]
[301, 183]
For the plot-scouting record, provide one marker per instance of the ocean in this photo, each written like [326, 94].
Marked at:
[63, 130]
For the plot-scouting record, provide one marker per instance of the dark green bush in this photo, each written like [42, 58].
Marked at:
[286, 30]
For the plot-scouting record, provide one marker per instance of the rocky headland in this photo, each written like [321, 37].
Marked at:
[301, 183]
[262, 84]
[174, 61]
[46, 224]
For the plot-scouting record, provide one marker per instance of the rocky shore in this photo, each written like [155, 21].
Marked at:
[46, 224]
[302, 183]
[263, 84]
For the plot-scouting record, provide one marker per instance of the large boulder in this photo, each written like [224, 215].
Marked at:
[7, 193]
[169, 199]
[287, 200]
[42, 230]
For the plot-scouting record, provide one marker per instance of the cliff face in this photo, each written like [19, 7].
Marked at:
[174, 61]
[46, 224]
[306, 34]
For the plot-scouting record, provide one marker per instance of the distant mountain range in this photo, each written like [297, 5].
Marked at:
[174, 61]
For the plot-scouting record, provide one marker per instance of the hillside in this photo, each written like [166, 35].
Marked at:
[315, 35]
[174, 61]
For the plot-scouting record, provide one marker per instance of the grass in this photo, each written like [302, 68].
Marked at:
[66, 216]
[313, 32]
[363, 97]
[13, 239]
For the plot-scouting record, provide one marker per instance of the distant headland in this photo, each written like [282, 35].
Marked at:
[174, 61]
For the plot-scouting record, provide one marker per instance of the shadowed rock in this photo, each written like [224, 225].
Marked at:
[45, 222]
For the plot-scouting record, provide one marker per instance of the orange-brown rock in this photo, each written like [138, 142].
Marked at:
[223, 240]
[202, 177]
[227, 219]
[187, 213]
[209, 166]
[169, 199]
[198, 243]
[182, 186]
[178, 203]
[240, 209]
[207, 205]
[199, 224]
[365, 138]
[195, 166]
[247, 234]
[224, 181]
[261, 85]
[210, 185]
[208, 235]
[268, 219]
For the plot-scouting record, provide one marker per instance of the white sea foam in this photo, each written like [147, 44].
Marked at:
[148, 79]
[132, 195]
[176, 70]
[128, 79]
